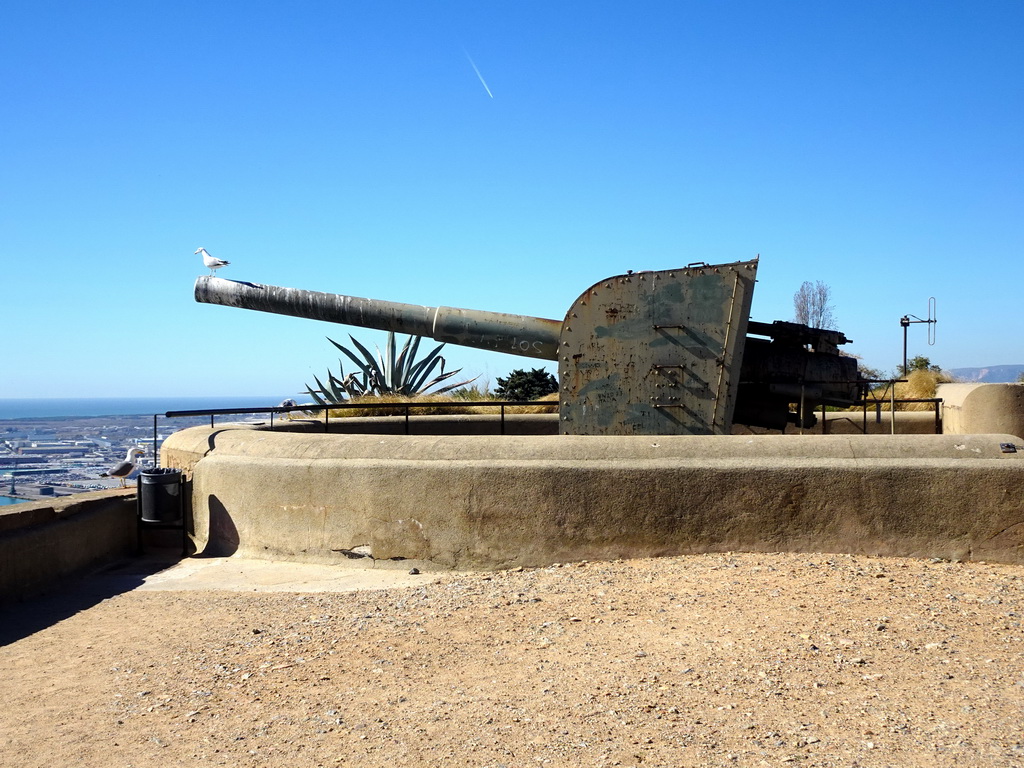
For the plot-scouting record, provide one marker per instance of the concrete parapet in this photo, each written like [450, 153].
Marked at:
[851, 422]
[494, 502]
[974, 408]
[42, 542]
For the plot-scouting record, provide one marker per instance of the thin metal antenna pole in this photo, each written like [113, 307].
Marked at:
[905, 322]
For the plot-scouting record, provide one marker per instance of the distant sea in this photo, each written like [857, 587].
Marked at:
[60, 407]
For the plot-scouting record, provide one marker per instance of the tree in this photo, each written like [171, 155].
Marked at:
[526, 385]
[922, 363]
[812, 305]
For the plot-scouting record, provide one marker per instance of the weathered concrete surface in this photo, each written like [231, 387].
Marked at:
[44, 541]
[974, 408]
[239, 574]
[493, 502]
[834, 423]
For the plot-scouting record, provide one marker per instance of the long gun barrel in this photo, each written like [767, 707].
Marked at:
[513, 334]
[644, 353]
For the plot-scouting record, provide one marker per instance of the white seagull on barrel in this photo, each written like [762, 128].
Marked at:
[212, 261]
[122, 469]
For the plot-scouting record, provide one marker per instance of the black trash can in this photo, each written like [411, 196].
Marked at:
[160, 495]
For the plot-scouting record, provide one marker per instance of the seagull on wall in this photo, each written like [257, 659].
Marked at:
[122, 469]
[211, 261]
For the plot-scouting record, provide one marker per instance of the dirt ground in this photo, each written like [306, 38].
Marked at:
[731, 660]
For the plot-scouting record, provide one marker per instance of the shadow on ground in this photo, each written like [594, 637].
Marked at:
[75, 594]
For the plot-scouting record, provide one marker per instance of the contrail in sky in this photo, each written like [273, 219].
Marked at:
[482, 81]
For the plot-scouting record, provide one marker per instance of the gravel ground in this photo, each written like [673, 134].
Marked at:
[733, 660]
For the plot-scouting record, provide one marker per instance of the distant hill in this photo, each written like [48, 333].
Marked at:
[994, 374]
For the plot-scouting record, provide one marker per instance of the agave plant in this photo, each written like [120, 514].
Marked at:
[392, 372]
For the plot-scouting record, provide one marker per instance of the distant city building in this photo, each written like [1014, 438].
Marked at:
[53, 450]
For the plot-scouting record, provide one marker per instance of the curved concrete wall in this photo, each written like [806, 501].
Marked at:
[974, 408]
[494, 502]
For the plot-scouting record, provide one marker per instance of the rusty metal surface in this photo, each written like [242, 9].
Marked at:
[655, 353]
[512, 334]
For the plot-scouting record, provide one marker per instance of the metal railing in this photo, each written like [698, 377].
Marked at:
[889, 396]
[893, 402]
[406, 408]
[403, 409]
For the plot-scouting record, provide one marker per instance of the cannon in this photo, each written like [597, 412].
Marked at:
[646, 353]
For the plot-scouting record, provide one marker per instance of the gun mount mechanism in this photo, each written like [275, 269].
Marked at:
[645, 353]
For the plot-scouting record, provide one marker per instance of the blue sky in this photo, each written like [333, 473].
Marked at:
[351, 148]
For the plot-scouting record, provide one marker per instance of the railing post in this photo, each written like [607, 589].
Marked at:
[892, 411]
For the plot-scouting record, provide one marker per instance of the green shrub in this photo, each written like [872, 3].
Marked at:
[526, 385]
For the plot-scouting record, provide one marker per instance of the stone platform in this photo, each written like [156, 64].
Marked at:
[488, 501]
